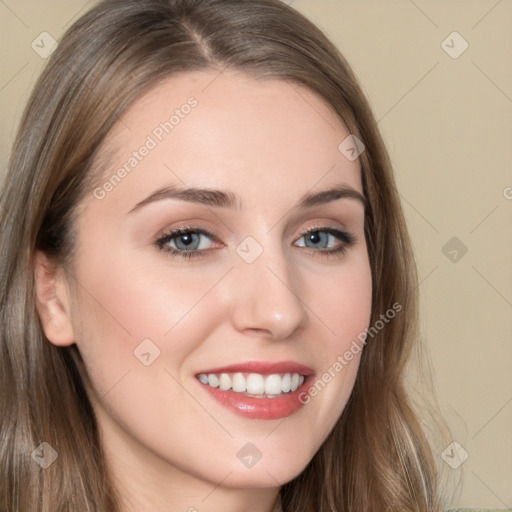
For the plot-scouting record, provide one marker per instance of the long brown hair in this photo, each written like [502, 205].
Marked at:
[377, 457]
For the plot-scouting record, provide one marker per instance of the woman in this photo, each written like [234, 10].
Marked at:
[172, 336]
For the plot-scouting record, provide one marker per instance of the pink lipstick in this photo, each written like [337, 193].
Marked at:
[256, 389]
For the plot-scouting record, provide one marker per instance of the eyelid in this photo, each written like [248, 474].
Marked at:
[161, 238]
[347, 237]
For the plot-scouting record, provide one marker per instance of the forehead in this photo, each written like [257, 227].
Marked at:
[258, 137]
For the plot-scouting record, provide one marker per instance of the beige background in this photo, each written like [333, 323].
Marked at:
[448, 126]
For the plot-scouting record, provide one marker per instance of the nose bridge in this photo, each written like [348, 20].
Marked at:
[268, 292]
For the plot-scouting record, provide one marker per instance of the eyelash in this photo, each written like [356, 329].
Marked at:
[347, 238]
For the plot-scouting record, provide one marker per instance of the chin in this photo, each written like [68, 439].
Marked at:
[275, 468]
[263, 476]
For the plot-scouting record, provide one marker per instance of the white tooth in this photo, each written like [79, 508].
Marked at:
[213, 380]
[295, 381]
[239, 384]
[286, 383]
[273, 384]
[255, 384]
[224, 382]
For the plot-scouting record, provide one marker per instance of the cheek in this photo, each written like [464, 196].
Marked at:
[344, 308]
[345, 302]
[128, 308]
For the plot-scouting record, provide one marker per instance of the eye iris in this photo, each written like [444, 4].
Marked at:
[316, 236]
[188, 239]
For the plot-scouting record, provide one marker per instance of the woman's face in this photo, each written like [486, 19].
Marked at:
[259, 305]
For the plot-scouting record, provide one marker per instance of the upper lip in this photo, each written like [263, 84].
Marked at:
[263, 367]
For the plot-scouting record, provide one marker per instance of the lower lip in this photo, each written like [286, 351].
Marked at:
[259, 408]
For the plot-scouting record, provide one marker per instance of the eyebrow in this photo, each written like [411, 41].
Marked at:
[227, 199]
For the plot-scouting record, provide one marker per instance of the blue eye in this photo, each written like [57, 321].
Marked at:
[187, 241]
[314, 236]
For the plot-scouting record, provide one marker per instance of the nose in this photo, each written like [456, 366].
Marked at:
[267, 297]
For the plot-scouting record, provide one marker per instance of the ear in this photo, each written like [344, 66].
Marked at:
[52, 301]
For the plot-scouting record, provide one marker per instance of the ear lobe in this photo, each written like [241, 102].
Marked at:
[52, 301]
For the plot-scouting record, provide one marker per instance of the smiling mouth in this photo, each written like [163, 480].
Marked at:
[254, 385]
